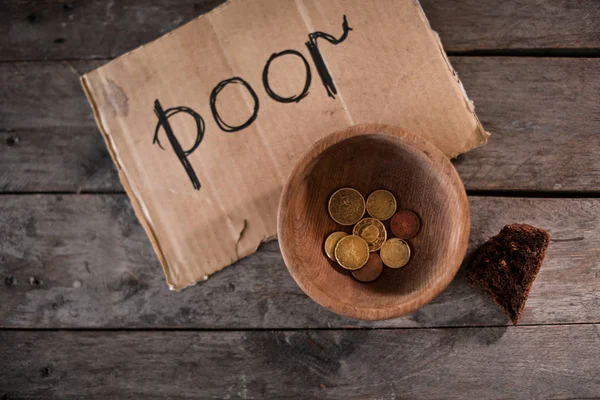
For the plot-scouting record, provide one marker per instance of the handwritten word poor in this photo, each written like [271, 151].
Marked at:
[312, 45]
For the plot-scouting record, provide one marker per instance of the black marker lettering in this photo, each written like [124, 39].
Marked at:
[163, 120]
[275, 96]
[213, 105]
[317, 58]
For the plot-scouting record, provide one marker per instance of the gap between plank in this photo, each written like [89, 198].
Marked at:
[539, 52]
[511, 193]
[535, 53]
[539, 194]
[360, 328]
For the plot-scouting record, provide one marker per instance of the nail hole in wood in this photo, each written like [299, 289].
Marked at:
[12, 140]
[10, 281]
[46, 372]
[33, 18]
[33, 281]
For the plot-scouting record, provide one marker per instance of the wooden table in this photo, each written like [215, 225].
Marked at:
[85, 311]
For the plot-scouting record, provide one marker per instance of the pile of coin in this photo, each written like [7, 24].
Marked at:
[358, 251]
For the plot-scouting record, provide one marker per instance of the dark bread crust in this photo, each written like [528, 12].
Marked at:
[507, 264]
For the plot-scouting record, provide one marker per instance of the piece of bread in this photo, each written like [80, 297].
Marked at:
[506, 265]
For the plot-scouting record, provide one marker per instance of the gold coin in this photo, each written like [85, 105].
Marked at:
[346, 206]
[330, 243]
[395, 253]
[381, 204]
[370, 271]
[352, 252]
[373, 231]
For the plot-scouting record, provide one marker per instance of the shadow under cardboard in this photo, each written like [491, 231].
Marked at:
[251, 233]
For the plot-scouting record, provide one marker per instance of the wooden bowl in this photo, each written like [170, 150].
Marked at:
[367, 158]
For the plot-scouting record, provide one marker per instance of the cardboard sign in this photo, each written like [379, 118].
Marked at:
[205, 123]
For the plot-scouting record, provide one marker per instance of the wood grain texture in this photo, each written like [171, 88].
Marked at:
[557, 362]
[48, 138]
[542, 114]
[367, 158]
[57, 160]
[85, 262]
[57, 29]
[54, 29]
[515, 25]
[44, 95]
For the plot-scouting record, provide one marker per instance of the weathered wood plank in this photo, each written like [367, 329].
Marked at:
[558, 362]
[542, 113]
[54, 29]
[85, 262]
[48, 137]
[56, 159]
[516, 24]
[44, 95]
[57, 29]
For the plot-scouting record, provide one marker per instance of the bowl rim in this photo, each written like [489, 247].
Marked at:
[421, 145]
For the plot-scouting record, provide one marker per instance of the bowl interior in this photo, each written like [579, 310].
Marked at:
[419, 179]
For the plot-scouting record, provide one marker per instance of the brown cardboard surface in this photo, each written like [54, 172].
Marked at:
[389, 68]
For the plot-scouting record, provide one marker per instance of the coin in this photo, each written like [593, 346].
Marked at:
[346, 206]
[405, 224]
[381, 204]
[372, 230]
[330, 243]
[352, 252]
[395, 253]
[371, 270]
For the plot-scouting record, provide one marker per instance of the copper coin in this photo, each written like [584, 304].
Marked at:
[405, 224]
[332, 241]
[372, 230]
[346, 206]
[371, 270]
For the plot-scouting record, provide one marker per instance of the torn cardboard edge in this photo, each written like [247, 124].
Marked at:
[137, 199]
[468, 102]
